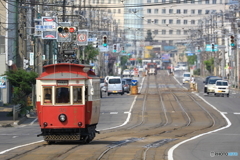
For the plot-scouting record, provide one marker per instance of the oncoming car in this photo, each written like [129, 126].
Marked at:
[221, 88]
[211, 84]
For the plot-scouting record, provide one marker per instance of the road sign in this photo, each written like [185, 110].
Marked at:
[103, 49]
[43, 28]
[209, 48]
[82, 38]
[92, 39]
[50, 21]
[49, 35]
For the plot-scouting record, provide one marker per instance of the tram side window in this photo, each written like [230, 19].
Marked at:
[47, 98]
[63, 95]
[77, 95]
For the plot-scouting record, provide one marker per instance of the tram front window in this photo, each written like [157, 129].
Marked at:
[150, 66]
[77, 95]
[62, 95]
[47, 99]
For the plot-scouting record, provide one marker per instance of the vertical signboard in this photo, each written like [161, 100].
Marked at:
[49, 25]
[31, 58]
[82, 38]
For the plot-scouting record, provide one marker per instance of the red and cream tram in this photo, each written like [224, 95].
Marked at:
[68, 102]
[152, 68]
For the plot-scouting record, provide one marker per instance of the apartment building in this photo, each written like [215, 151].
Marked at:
[171, 21]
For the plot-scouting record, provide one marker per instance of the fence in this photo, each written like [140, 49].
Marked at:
[16, 110]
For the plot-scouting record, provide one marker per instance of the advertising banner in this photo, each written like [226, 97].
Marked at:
[3, 81]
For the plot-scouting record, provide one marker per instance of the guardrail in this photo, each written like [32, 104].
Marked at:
[16, 110]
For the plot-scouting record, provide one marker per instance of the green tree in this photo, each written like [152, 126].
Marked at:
[90, 53]
[22, 82]
[209, 64]
[191, 59]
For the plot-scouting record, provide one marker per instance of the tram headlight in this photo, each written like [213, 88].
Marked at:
[45, 124]
[62, 117]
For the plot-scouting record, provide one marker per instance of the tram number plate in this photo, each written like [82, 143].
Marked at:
[219, 91]
[114, 91]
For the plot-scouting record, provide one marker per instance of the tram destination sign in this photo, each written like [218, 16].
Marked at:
[62, 82]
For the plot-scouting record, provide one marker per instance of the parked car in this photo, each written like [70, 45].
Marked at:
[221, 88]
[211, 84]
[206, 82]
[183, 67]
[126, 87]
[129, 81]
[177, 68]
[186, 77]
[115, 86]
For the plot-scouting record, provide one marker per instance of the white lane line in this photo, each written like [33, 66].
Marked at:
[129, 112]
[236, 113]
[113, 112]
[20, 146]
[126, 112]
[224, 112]
[33, 121]
[171, 150]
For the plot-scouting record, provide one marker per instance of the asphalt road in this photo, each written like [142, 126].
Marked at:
[114, 113]
[222, 144]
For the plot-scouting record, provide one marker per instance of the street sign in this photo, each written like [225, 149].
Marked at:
[43, 28]
[103, 49]
[92, 39]
[82, 37]
[209, 48]
[49, 35]
[50, 21]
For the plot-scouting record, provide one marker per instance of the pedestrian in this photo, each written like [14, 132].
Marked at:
[192, 79]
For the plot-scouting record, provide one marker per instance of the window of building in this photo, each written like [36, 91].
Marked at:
[185, 21]
[192, 1]
[214, 1]
[170, 31]
[148, 10]
[178, 1]
[178, 32]
[149, 21]
[163, 32]
[185, 11]
[220, 2]
[109, 10]
[148, 1]
[199, 11]
[206, 1]
[47, 97]
[114, 10]
[156, 21]
[156, 11]
[170, 1]
[119, 21]
[62, 95]
[155, 32]
[185, 32]
[207, 11]
[163, 42]
[170, 11]
[164, 21]
[163, 11]
[93, 1]
[199, 1]
[102, 1]
[178, 11]
[185, 1]
[192, 21]
[170, 42]
[109, 1]
[97, 1]
[170, 21]
[192, 11]
[119, 10]
[178, 21]
[155, 1]
[163, 1]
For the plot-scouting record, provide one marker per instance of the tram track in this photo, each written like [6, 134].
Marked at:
[156, 125]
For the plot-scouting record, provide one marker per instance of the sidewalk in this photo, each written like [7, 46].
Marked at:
[6, 120]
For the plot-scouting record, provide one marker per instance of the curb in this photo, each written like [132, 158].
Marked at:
[15, 123]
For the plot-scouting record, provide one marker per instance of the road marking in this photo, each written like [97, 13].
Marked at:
[126, 112]
[113, 112]
[33, 121]
[171, 150]
[129, 112]
[224, 112]
[20, 146]
[236, 113]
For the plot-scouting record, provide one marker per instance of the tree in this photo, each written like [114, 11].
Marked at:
[91, 53]
[191, 59]
[22, 82]
[209, 64]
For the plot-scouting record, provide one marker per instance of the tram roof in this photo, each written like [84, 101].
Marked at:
[64, 71]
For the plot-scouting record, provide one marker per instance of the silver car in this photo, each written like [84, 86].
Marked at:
[126, 86]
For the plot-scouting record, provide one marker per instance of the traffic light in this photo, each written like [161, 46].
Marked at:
[232, 41]
[60, 29]
[67, 29]
[72, 29]
[97, 45]
[123, 49]
[212, 46]
[104, 41]
[114, 48]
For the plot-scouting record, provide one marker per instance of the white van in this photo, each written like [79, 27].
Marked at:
[115, 86]
[186, 77]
